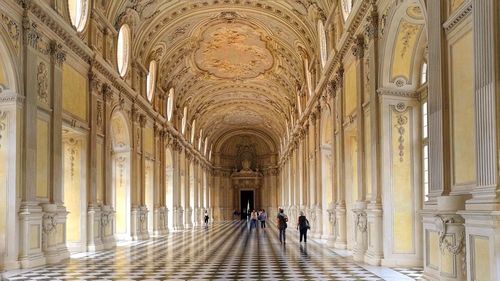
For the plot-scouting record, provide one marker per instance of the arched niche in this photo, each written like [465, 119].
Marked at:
[121, 171]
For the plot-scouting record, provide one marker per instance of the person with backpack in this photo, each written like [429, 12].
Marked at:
[282, 220]
[303, 226]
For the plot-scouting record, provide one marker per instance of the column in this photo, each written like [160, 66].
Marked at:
[360, 204]
[374, 251]
[340, 210]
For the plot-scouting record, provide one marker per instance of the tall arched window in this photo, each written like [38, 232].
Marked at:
[206, 146]
[184, 120]
[322, 43]
[123, 50]
[423, 73]
[170, 104]
[78, 13]
[193, 131]
[346, 8]
[200, 140]
[151, 80]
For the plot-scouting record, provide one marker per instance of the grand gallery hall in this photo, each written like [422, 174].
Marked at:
[137, 137]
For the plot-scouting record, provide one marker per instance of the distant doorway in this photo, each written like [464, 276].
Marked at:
[246, 202]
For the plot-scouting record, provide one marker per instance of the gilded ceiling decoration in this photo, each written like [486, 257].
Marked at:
[235, 64]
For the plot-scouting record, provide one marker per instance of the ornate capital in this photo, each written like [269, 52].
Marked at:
[142, 120]
[371, 27]
[358, 49]
[57, 53]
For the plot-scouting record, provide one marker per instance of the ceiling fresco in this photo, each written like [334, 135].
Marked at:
[233, 51]
[236, 64]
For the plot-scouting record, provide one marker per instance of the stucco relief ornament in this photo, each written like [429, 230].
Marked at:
[57, 52]
[31, 34]
[99, 115]
[3, 126]
[361, 221]
[400, 126]
[42, 84]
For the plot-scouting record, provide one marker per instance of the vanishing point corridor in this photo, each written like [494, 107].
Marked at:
[222, 251]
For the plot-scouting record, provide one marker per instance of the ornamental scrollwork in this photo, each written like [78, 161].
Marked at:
[42, 82]
[361, 221]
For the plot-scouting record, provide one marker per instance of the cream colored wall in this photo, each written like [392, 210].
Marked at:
[481, 259]
[100, 174]
[74, 92]
[121, 168]
[351, 89]
[462, 104]
[4, 166]
[403, 54]
[149, 185]
[3, 77]
[402, 183]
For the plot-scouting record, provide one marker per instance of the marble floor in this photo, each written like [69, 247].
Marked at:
[222, 251]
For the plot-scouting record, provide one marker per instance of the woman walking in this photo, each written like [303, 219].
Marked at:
[303, 226]
[263, 218]
[253, 220]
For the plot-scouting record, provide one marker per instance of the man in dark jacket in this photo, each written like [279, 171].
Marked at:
[282, 220]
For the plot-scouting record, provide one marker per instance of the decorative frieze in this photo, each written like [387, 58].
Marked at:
[42, 83]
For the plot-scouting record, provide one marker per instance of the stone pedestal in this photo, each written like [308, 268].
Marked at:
[94, 231]
[135, 231]
[341, 227]
[107, 224]
[160, 221]
[143, 223]
[54, 233]
[30, 235]
[374, 252]
[188, 218]
[360, 230]
[444, 240]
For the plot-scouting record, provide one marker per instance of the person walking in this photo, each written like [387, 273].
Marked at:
[303, 226]
[263, 218]
[282, 220]
[253, 220]
[206, 217]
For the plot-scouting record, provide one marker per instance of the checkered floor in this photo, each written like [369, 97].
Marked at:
[223, 251]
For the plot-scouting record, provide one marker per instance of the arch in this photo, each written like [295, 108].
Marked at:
[9, 85]
[169, 182]
[405, 39]
[266, 138]
[121, 170]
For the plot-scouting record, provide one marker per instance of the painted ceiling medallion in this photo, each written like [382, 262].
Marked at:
[233, 51]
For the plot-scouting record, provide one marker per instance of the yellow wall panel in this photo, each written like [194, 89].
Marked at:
[406, 40]
[42, 159]
[148, 140]
[72, 189]
[434, 252]
[481, 261]
[462, 95]
[368, 155]
[74, 88]
[99, 172]
[351, 89]
[402, 183]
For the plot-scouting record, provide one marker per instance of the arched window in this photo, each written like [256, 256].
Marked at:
[151, 80]
[184, 120]
[299, 104]
[206, 146]
[200, 140]
[123, 50]
[322, 43]
[423, 73]
[78, 13]
[193, 131]
[170, 104]
[346, 8]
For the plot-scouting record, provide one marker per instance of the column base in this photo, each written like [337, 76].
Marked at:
[373, 258]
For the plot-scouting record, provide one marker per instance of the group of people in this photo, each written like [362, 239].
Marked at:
[260, 216]
[302, 225]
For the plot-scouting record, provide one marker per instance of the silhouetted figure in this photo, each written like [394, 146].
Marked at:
[282, 220]
[303, 226]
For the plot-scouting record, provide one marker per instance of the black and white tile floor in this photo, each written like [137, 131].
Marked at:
[223, 251]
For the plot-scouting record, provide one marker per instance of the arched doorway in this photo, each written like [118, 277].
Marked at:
[120, 161]
[9, 156]
[75, 191]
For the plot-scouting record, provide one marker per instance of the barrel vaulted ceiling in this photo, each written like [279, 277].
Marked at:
[236, 64]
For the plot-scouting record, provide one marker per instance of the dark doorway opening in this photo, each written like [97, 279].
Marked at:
[246, 202]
